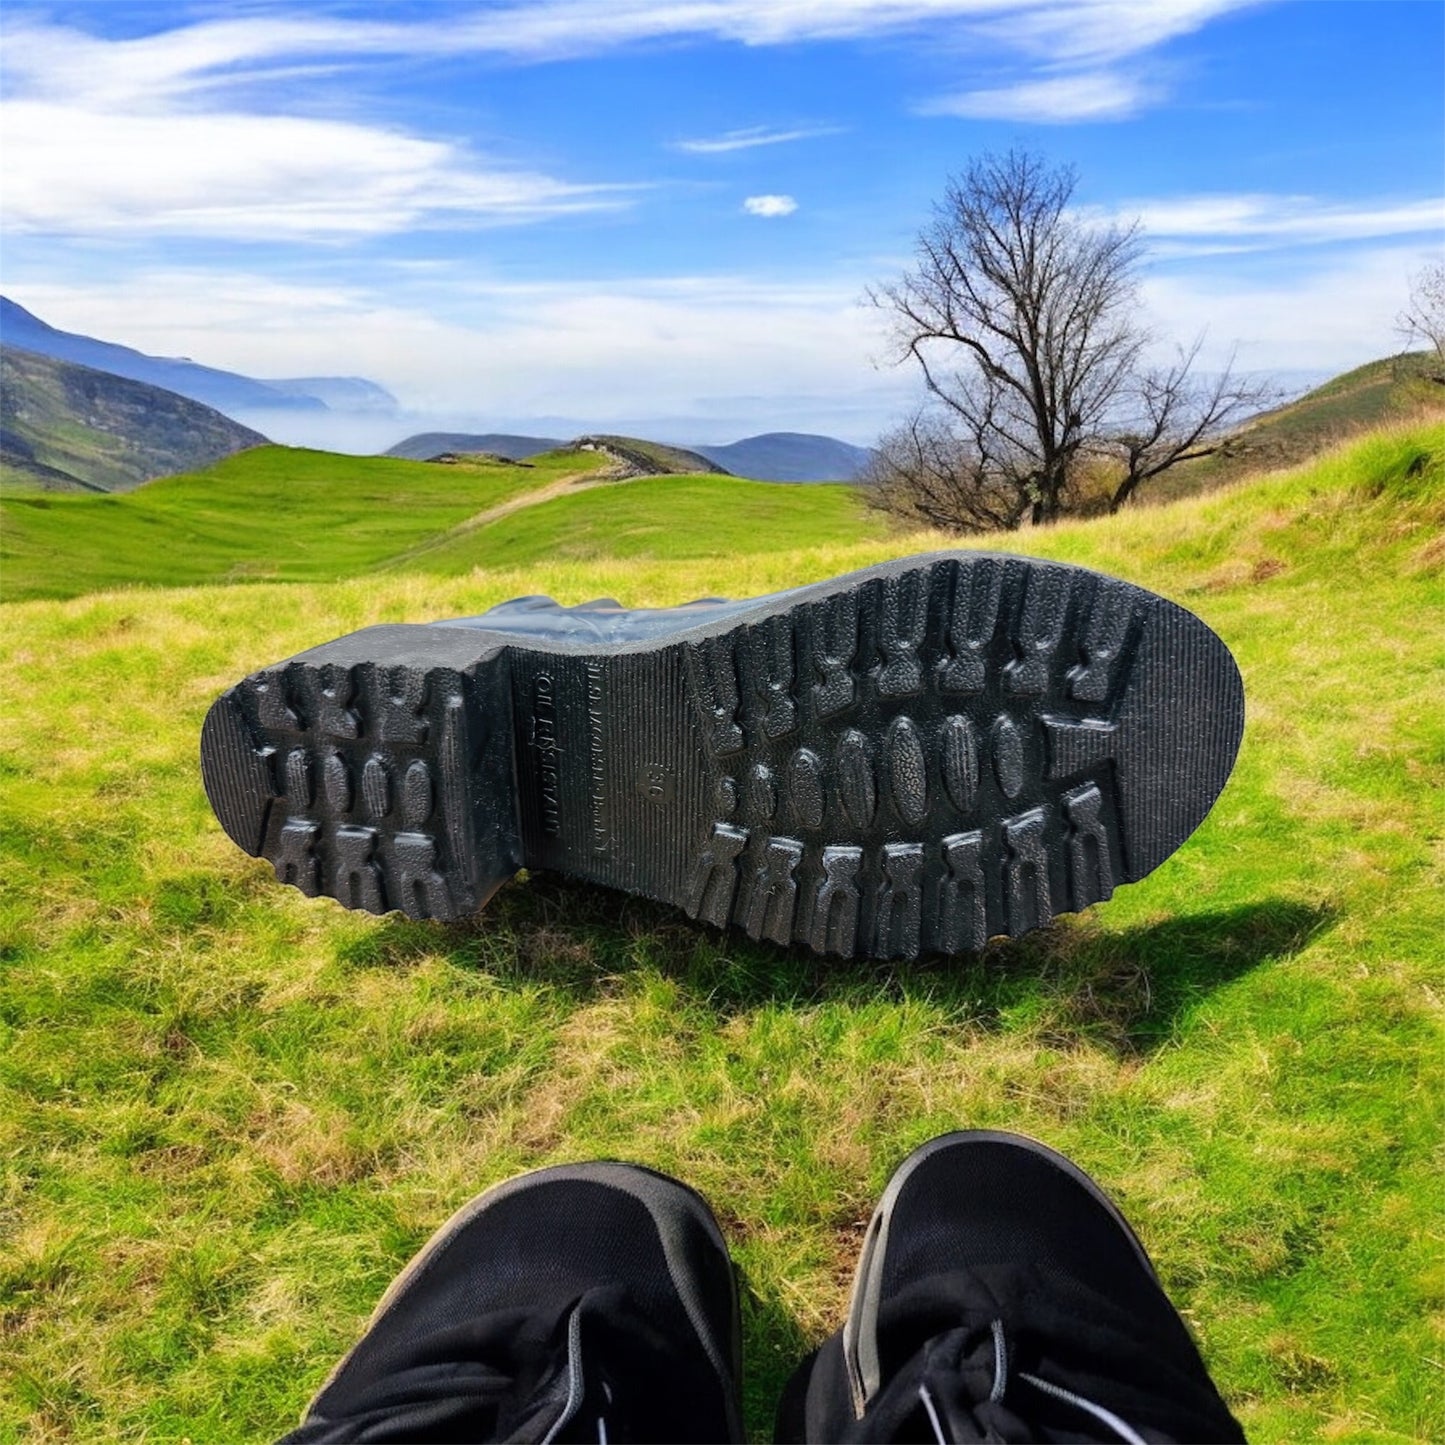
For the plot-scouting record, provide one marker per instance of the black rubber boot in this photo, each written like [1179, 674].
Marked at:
[1000, 1295]
[915, 757]
[582, 1302]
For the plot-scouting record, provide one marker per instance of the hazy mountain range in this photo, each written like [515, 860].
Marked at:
[227, 391]
[772, 456]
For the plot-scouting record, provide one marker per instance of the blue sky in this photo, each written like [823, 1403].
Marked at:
[661, 215]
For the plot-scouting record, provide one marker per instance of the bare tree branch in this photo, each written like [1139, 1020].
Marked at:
[1176, 419]
[1424, 318]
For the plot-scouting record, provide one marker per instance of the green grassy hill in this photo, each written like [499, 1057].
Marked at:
[283, 514]
[663, 518]
[275, 513]
[228, 1113]
[1380, 393]
[649, 458]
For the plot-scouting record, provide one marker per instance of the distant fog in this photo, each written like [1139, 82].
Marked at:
[362, 434]
[850, 418]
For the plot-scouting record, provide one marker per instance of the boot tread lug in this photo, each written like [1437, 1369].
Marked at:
[376, 798]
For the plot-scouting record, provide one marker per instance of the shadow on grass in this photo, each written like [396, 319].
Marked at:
[1072, 982]
[774, 1345]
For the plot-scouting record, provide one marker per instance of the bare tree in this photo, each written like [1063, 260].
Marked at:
[1023, 319]
[1424, 318]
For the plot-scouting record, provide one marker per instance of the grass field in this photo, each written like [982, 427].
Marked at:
[272, 513]
[284, 514]
[663, 519]
[230, 1113]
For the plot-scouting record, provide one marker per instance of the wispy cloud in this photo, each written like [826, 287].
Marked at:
[770, 206]
[165, 135]
[1070, 30]
[1065, 99]
[50, 61]
[1193, 225]
[1067, 58]
[170, 133]
[73, 170]
[1296, 318]
[1093, 33]
[752, 136]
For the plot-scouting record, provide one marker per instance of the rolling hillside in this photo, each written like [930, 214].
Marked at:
[230, 1113]
[635, 456]
[1391, 390]
[423, 446]
[71, 428]
[285, 514]
[657, 518]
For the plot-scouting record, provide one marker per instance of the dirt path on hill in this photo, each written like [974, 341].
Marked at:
[571, 483]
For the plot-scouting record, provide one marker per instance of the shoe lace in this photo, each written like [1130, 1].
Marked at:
[1001, 1376]
[1121, 1428]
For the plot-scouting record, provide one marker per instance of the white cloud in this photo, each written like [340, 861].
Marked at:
[1098, 32]
[1253, 220]
[1065, 99]
[49, 61]
[171, 132]
[770, 205]
[1076, 29]
[1326, 318]
[741, 140]
[153, 136]
[73, 170]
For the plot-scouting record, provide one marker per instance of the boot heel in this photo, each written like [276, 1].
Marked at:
[376, 769]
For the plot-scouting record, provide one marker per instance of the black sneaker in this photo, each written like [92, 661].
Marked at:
[1001, 1295]
[915, 757]
[583, 1302]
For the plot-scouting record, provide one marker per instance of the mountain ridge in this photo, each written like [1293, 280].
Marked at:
[67, 427]
[221, 390]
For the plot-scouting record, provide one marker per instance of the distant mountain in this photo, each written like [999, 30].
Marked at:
[789, 456]
[227, 391]
[771, 457]
[65, 427]
[428, 444]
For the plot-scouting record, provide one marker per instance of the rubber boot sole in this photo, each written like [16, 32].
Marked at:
[915, 757]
